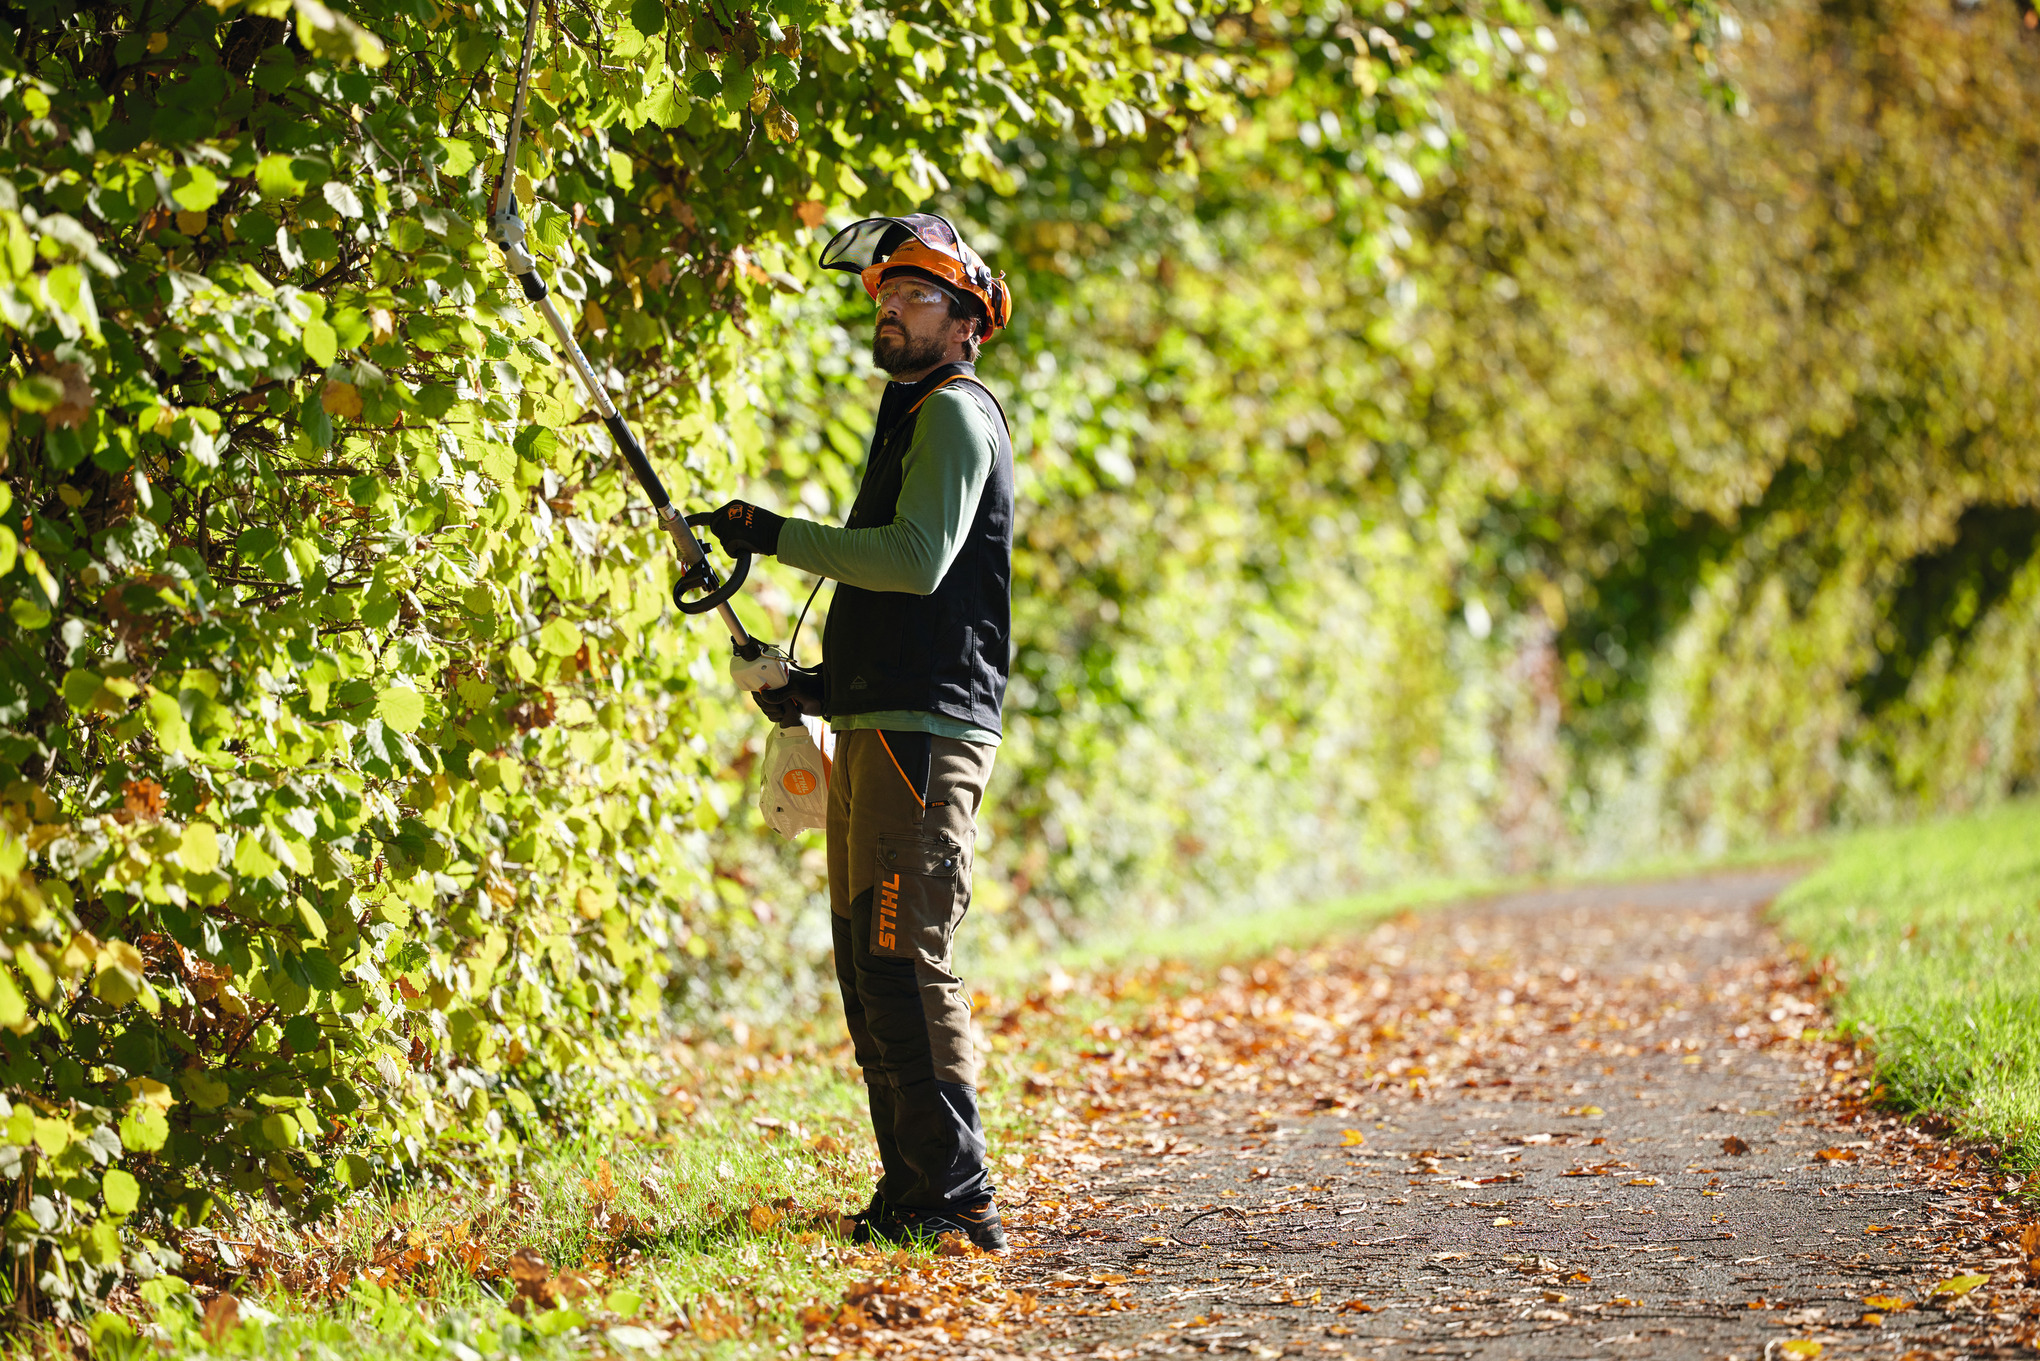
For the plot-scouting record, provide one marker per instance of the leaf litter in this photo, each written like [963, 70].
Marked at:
[1178, 1066]
[1433, 1014]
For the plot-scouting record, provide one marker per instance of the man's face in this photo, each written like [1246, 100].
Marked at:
[914, 329]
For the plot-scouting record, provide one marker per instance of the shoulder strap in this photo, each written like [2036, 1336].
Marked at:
[966, 378]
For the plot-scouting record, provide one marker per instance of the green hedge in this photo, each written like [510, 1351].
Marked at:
[362, 802]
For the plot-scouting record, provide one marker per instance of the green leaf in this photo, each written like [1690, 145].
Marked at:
[336, 36]
[309, 920]
[321, 342]
[401, 708]
[199, 849]
[144, 1129]
[460, 157]
[28, 613]
[195, 189]
[81, 688]
[250, 859]
[207, 1092]
[277, 176]
[648, 16]
[121, 1190]
[37, 392]
[342, 198]
[560, 638]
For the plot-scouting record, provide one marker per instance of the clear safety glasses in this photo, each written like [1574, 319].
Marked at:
[910, 293]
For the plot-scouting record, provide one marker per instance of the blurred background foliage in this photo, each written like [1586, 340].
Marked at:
[1448, 441]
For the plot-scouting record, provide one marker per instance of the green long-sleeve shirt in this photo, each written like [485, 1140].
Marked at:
[943, 476]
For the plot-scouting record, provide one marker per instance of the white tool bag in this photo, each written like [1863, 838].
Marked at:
[795, 795]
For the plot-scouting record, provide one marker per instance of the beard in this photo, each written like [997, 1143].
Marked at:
[895, 351]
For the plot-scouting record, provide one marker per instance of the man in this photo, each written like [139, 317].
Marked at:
[913, 676]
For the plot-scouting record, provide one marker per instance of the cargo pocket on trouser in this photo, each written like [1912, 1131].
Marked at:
[917, 898]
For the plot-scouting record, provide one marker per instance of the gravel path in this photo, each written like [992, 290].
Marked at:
[1571, 1123]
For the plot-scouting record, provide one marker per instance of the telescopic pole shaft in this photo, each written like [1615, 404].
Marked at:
[508, 229]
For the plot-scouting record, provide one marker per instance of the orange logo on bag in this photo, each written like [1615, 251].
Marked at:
[799, 783]
[888, 911]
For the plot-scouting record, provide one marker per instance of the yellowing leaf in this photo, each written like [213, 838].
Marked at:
[338, 398]
[13, 1006]
[150, 1092]
[1888, 1304]
[79, 955]
[1352, 1138]
[1799, 1347]
[117, 975]
[52, 1136]
[1958, 1286]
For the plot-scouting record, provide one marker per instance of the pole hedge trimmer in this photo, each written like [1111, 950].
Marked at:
[700, 589]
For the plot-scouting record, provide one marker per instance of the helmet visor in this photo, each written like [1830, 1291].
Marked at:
[861, 245]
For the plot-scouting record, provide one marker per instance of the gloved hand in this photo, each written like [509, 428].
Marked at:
[741, 527]
[802, 694]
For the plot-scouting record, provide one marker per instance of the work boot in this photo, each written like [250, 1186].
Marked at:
[881, 1222]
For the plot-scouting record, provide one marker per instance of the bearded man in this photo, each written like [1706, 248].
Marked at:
[912, 680]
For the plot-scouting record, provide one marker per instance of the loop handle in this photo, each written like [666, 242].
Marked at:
[702, 576]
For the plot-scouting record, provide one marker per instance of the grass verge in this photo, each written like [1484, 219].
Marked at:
[1933, 930]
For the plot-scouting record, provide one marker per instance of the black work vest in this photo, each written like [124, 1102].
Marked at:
[947, 652]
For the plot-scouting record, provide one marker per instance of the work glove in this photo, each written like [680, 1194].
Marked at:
[741, 527]
[802, 694]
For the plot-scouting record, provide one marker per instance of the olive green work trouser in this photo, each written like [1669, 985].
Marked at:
[902, 824]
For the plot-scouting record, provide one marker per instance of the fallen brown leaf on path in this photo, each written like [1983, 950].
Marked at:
[222, 1315]
[532, 1280]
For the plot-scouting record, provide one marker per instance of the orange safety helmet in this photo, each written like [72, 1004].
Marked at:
[925, 244]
